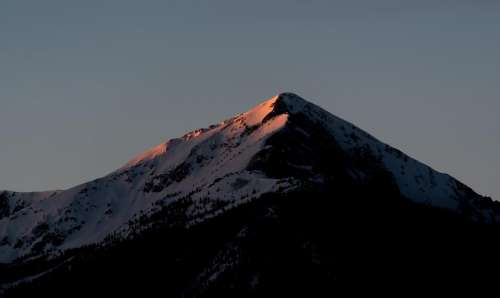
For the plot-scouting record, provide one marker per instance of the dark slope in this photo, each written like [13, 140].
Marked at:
[310, 243]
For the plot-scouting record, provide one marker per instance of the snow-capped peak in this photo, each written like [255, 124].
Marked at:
[211, 170]
[253, 117]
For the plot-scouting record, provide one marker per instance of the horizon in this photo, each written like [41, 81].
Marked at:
[86, 87]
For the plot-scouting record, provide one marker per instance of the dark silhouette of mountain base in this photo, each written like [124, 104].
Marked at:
[338, 241]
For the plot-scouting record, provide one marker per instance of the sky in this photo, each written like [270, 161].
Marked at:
[86, 85]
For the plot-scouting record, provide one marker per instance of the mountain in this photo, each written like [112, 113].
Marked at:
[284, 198]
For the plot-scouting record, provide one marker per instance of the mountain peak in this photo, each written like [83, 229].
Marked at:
[278, 146]
[291, 101]
[282, 103]
[290, 98]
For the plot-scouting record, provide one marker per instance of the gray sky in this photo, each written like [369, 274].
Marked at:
[86, 85]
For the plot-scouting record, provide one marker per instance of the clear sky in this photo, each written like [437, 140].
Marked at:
[86, 85]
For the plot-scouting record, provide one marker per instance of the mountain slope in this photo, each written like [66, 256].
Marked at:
[188, 165]
[285, 148]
